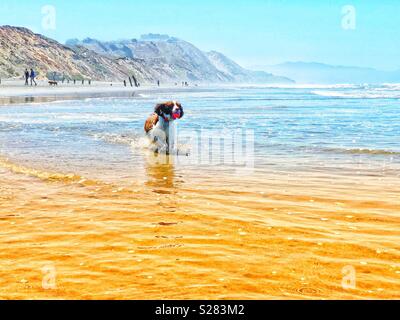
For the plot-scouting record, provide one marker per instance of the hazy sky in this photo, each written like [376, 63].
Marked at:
[253, 32]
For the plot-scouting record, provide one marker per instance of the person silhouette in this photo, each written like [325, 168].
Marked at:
[32, 76]
[26, 73]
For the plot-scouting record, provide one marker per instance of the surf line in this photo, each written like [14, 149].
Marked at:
[44, 175]
[178, 311]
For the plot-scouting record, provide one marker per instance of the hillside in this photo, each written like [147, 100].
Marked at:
[21, 48]
[149, 59]
[235, 71]
[187, 62]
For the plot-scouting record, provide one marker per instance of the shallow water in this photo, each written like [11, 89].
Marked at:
[309, 186]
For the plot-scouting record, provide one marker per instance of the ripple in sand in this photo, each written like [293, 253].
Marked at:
[167, 223]
[308, 291]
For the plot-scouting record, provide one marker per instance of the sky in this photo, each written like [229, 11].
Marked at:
[361, 33]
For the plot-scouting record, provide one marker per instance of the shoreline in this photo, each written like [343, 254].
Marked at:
[15, 92]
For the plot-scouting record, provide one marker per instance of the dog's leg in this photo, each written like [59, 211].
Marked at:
[159, 140]
[172, 138]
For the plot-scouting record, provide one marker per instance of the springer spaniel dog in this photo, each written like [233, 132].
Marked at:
[160, 127]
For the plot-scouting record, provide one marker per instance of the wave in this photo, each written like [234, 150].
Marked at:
[46, 176]
[375, 94]
[361, 151]
[391, 86]
[303, 86]
[137, 141]
[117, 138]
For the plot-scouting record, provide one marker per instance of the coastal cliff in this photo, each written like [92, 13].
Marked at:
[149, 59]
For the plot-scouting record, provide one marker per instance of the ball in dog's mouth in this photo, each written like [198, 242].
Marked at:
[176, 114]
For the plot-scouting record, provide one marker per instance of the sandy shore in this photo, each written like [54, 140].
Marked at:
[299, 236]
[14, 91]
[162, 241]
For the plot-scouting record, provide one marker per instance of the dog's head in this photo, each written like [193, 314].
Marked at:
[172, 110]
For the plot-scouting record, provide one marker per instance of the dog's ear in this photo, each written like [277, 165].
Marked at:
[180, 107]
[159, 109]
[164, 108]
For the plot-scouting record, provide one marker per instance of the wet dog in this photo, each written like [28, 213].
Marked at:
[160, 126]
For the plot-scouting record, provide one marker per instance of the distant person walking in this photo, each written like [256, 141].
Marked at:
[26, 77]
[33, 76]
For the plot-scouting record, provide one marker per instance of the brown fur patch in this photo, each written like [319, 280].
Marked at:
[151, 122]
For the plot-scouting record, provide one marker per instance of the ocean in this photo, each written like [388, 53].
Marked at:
[309, 129]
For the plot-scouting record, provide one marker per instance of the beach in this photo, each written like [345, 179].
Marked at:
[315, 216]
[14, 91]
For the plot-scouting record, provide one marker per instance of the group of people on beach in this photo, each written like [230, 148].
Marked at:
[30, 75]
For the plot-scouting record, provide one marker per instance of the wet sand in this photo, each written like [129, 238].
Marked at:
[279, 238]
[14, 91]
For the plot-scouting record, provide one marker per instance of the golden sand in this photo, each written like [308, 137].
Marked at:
[281, 237]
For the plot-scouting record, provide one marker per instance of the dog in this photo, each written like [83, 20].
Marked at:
[53, 83]
[160, 126]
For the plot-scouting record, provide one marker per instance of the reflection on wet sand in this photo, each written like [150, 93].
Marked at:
[4, 101]
[29, 99]
[161, 180]
[160, 173]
